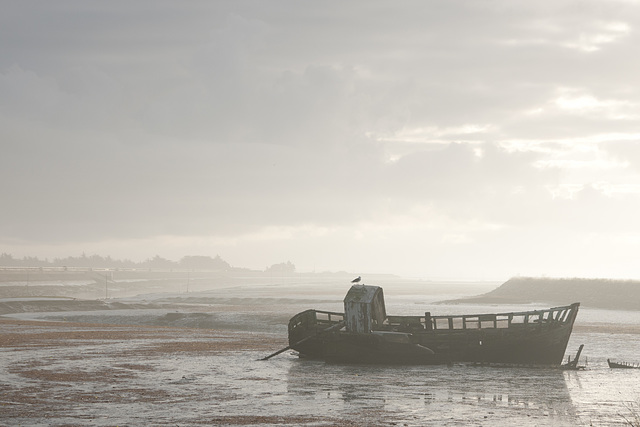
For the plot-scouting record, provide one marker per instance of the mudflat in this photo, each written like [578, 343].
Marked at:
[59, 373]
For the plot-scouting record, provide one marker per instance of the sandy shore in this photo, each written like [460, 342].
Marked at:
[21, 335]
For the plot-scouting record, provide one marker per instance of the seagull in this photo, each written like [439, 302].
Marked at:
[356, 280]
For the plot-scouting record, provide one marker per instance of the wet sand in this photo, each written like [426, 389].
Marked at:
[103, 365]
[607, 328]
[72, 374]
[22, 335]
[68, 374]
[194, 361]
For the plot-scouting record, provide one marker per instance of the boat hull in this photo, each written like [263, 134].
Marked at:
[348, 347]
[541, 342]
[621, 365]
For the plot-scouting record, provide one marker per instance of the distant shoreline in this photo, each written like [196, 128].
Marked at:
[89, 283]
[595, 293]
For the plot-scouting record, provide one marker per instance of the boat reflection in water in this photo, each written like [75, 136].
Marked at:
[422, 395]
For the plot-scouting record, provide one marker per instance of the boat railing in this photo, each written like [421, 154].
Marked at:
[310, 319]
[328, 317]
[482, 321]
[320, 319]
[626, 365]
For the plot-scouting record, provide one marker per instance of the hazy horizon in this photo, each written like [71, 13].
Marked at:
[456, 139]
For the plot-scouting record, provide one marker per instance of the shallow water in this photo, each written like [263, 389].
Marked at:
[185, 389]
[235, 388]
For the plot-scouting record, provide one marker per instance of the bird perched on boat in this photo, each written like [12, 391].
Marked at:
[356, 280]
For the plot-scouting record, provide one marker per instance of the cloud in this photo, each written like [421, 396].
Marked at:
[627, 151]
[300, 127]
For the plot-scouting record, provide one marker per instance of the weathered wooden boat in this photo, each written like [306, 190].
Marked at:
[572, 365]
[364, 333]
[622, 365]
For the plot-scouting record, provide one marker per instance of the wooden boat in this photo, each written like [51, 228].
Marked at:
[364, 333]
[622, 365]
[572, 365]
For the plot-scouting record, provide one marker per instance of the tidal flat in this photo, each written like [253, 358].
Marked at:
[193, 359]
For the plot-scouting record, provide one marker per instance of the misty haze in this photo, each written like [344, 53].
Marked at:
[372, 213]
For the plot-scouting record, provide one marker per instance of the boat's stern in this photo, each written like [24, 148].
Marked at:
[305, 331]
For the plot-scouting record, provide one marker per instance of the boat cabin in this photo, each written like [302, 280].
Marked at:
[364, 309]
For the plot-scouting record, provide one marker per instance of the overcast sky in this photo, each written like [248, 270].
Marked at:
[431, 139]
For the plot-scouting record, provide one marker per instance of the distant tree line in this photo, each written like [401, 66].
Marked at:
[283, 267]
[97, 261]
[195, 262]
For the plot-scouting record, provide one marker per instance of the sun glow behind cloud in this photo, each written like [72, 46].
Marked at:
[603, 34]
[573, 101]
[430, 138]
[588, 40]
